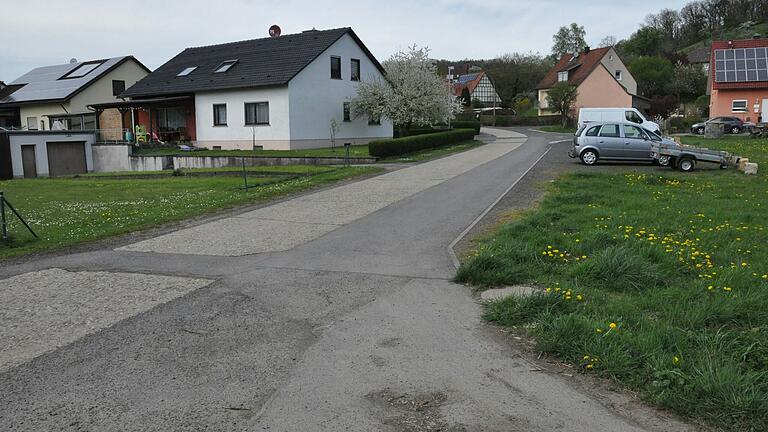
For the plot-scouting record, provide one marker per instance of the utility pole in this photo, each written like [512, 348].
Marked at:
[450, 93]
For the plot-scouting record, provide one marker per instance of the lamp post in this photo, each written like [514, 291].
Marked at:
[450, 93]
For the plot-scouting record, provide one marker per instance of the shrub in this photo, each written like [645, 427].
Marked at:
[399, 146]
[467, 124]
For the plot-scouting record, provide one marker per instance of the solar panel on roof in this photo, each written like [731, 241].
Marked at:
[741, 65]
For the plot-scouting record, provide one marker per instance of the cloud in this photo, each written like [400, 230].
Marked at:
[45, 32]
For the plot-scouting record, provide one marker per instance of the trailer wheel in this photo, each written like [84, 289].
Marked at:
[686, 164]
[664, 160]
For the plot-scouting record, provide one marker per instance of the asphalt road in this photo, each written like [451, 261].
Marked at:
[360, 329]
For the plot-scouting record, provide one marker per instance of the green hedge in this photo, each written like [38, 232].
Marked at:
[509, 120]
[682, 124]
[466, 124]
[400, 146]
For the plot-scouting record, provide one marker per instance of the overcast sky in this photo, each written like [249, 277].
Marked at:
[38, 33]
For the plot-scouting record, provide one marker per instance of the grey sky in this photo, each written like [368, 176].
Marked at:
[38, 33]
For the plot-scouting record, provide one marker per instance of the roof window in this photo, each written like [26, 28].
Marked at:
[225, 66]
[187, 71]
[83, 69]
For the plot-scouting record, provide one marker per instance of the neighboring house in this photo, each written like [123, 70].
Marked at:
[602, 80]
[276, 93]
[739, 79]
[700, 56]
[480, 88]
[58, 96]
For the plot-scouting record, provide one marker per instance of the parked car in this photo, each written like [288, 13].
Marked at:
[624, 115]
[733, 125]
[615, 141]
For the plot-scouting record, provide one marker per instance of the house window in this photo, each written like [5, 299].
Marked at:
[335, 67]
[82, 70]
[354, 66]
[739, 106]
[562, 76]
[118, 86]
[32, 123]
[220, 114]
[225, 66]
[187, 71]
[347, 115]
[617, 74]
[256, 113]
[374, 120]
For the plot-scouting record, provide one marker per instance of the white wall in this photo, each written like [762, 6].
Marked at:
[40, 140]
[111, 157]
[236, 134]
[315, 99]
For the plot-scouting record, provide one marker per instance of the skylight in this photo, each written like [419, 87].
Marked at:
[187, 71]
[225, 66]
[82, 70]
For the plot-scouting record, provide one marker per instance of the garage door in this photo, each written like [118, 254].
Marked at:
[66, 158]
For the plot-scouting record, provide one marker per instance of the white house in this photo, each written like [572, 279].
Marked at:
[276, 93]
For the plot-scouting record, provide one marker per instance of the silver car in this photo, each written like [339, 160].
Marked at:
[614, 141]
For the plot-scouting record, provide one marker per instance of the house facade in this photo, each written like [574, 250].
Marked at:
[480, 88]
[738, 81]
[601, 78]
[57, 97]
[276, 93]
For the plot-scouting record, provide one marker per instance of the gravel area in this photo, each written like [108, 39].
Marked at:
[47, 309]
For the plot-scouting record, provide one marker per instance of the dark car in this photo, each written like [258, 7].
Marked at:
[733, 125]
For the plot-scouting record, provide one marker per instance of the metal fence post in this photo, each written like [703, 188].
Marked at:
[2, 216]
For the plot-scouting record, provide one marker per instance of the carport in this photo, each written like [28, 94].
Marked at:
[50, 153]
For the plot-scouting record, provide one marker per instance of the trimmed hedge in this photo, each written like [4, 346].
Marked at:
[466, 124]
[401, 146]
[508, 120]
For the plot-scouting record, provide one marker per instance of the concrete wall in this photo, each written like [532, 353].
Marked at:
[157, 163]
[150, 163]
[721, 103]
[315, 99]
[40, 140]
[236, 134]
[613, 63]
[111, 157]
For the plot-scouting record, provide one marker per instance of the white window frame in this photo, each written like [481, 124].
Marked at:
[225, 66]
[562, 76]
[740, 110]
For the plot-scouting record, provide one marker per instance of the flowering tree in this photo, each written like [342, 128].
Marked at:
[413, 93]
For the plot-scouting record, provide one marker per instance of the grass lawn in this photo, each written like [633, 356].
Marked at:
[68, 211]
[659, 281]
[558, 129]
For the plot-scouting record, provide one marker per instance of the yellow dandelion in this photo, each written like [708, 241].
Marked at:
[612, 325]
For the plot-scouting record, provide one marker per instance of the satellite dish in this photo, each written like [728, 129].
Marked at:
[274, 31]
[72, 60]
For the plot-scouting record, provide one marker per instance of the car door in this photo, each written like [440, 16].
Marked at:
[637, 145]
[609, 141]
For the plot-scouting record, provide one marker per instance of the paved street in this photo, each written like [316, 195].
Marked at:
[332, 311]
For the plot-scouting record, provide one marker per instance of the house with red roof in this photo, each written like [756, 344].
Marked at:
[738, 80]
[602, 80]
[480, 88]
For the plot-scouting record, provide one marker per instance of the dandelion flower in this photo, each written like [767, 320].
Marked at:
[612, 325]
[676, 360]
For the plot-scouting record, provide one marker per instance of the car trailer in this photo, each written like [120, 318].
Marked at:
[685, 157]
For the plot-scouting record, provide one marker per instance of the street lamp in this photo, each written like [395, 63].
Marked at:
[450, 93]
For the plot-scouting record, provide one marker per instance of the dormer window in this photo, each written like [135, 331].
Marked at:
[187, 71]
[617, 74]
[562, 76]
[225, 66]
[83, 69]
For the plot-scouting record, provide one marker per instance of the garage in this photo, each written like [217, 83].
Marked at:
[66, 158]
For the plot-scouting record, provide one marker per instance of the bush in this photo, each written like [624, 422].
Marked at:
[400, 146]
[467, 124]
[682, 124]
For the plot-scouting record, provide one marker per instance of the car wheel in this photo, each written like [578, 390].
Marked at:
[700, 131]
[735, 130]
[589, 157]
[686, 164]
[663, 160]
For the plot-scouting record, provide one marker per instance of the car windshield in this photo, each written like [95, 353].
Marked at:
[652, 135]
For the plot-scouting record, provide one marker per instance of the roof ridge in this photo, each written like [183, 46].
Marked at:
[267, 38]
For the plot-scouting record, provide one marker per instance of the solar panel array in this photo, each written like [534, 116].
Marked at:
[463, 79]
[741, 65]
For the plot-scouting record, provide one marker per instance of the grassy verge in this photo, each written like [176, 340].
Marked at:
[68, 211]
[338, 151]
[558, 129]
[657, 281]
[425, 155]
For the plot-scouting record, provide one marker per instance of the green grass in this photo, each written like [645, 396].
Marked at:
[429, 154]
[678, 263]
[69, 211]
[558, 129]
[354, 151]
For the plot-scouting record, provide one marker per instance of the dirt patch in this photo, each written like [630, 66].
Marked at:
[413, 413]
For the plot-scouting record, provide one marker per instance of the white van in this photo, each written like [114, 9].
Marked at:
[632, 115]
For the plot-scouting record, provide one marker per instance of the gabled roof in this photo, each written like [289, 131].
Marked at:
[735, 44]
[260, 62]
[579, 68]
[470, 81]
[51, 84]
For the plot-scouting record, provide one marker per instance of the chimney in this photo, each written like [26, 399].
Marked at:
[586, 49]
